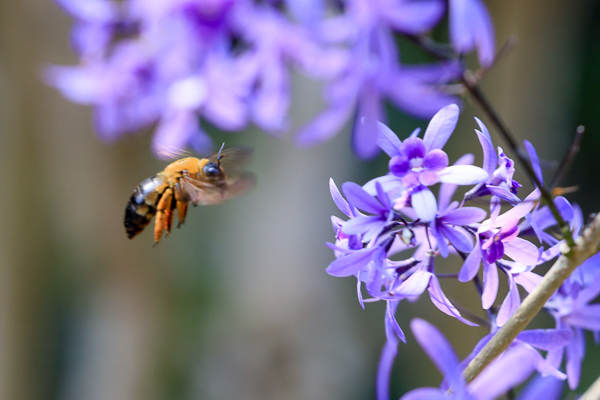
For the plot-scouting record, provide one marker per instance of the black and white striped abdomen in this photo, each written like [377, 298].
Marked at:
[141, 207]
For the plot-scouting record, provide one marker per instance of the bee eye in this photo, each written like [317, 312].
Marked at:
[211, 169]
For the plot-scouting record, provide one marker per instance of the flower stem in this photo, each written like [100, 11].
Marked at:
[585, 246]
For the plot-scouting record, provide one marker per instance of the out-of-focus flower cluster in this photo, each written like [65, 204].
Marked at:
[178, 63]
[396, 229]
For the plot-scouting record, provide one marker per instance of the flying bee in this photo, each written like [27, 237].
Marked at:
[211, 180]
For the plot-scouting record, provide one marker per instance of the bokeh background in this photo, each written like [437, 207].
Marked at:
[237, 303]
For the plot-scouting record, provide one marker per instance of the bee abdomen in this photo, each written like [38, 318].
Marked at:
[141, 207]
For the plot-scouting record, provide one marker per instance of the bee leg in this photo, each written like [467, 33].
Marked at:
[159, 227]
[168, 210]
[162, 210]
[182, 205]
[182, 208]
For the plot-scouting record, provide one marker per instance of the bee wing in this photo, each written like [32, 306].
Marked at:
[203, 193]
[166, 153]
[233, 158]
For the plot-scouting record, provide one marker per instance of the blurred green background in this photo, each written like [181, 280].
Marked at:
[237, 303]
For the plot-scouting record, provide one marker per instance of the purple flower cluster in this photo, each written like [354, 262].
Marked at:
[397, 228]
[180, 63]
[510, 369]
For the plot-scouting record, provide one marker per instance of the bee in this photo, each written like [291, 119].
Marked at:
[210, 180]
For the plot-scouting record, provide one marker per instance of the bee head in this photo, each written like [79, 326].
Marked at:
[211, 170]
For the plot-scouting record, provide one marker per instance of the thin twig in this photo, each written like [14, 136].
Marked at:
[470, 314]
[568, 159]
[585, 246]
[453, 275]
[486, 106]
[593, 392]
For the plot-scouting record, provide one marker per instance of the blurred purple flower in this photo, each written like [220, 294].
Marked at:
[542, 387]
[373, 72]
[571, 309]
[509, 370]
[95, 23]
[177, 63]
[471, 27]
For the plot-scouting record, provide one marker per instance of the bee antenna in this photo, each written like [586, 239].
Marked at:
[219, 156]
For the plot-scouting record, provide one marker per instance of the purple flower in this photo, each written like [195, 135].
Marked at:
[448, 224]
[497, 237]
[364, 242]
[373, 72]
[570, 306]
[419, 163]
[416, 166]
[471, 27]
[509, 370]
[368, 225]
[500, 171]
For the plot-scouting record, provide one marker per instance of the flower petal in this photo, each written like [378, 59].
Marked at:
[360, 199]
[490, 285]
[529, 280]
[399, 166]
[511, 302]
[546, 339]
[462, 175]
[324, 126]
[415, 17]
[447, 189]
[424, 203]
[441, 127]
[439, 299]
[339, 201]
[534, 160]
[471, 265]
[364, 132]
[509, 370]
[542, 387]
[464, 216]
[436, 160]
[490, 159]
[459, 240]
[439, 350]
[415, 285]
[414, 148]
[352, 263]
[522, 251]
[585, 317]
[575, 350]
[388, 141]
[428, 178]
[361, 224]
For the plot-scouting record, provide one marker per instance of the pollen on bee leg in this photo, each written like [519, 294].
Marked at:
[162, 208]
[168, 210]
[181, 205]
[182, 208]
[159, 226]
